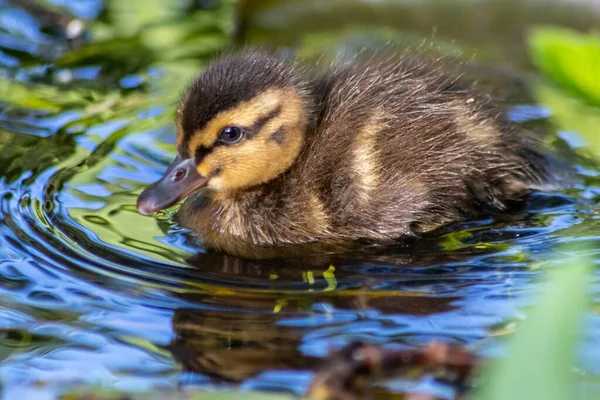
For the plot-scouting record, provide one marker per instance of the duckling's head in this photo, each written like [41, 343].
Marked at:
[241, 123]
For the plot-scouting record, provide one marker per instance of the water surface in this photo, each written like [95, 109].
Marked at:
[93, 294]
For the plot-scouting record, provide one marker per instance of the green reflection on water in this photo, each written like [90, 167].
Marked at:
[163, 44]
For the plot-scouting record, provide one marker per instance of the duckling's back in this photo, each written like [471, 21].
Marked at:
[401, 145]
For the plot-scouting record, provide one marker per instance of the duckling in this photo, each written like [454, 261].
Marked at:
[274, 153]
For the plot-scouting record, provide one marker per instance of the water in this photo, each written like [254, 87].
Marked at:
[92, 294]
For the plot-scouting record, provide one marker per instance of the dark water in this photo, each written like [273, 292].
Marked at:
[92, 294]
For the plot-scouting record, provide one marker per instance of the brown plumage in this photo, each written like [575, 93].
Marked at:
[374, 149]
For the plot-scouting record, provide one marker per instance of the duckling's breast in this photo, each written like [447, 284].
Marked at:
[266, 216]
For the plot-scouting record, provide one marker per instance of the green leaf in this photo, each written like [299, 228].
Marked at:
[571, 114]
[539, 363]
[570, 58]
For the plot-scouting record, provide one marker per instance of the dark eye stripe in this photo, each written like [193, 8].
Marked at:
[202, 152]
[252, 130]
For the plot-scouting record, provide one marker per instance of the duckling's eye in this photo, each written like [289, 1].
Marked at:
[231, 135]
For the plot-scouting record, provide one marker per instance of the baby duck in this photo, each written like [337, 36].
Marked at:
[377, 149]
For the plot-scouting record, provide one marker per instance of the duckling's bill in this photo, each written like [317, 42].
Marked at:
[180, 179]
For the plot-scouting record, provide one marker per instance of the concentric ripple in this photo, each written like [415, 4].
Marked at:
[94, 294]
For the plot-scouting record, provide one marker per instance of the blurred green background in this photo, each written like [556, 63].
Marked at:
[95, 297]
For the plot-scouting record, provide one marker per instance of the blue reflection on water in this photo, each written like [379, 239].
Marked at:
[92, 293]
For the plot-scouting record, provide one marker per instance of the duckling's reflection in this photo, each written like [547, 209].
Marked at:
[235, 345]
[263, 309]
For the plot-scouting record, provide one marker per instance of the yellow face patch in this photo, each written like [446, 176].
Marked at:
[244, 114]
[273, 125]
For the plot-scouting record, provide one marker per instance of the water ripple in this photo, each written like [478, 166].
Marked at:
[93, 293]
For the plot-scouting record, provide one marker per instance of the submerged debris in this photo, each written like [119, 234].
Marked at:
[348, 373]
